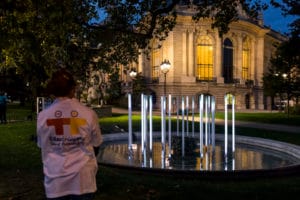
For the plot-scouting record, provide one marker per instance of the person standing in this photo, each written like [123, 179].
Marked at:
[3, 104]
[67, 133]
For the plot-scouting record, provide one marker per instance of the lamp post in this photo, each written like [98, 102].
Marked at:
[286, 78]
[132, 75]
[286, 85]
[165, 67]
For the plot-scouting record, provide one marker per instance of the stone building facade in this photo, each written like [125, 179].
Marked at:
[203, 62]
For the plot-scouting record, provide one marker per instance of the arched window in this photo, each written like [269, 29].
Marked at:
[204, 69]
[228, 61]
[155, 61]
[246, 59]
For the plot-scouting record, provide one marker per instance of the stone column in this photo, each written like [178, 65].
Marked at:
[170, 53]
[143, 66]
[218, 59]
[259, 61]
[184, 54]
[252, 60]
[191, 64]
[239, 60]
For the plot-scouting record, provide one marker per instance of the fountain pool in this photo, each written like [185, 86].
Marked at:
[188, 149]
[251, 154]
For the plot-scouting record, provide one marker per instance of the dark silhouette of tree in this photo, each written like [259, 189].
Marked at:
[284, 73]
[36, 34]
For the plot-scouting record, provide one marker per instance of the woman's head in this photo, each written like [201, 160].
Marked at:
[61, 84]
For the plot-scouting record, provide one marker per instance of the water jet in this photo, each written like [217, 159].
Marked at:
[188, 152]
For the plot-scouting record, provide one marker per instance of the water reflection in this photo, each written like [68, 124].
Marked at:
[246, 157]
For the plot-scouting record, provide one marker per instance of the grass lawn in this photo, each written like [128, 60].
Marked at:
[21, 170]
[266, 117]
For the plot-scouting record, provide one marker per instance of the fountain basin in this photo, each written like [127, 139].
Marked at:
[253, 157]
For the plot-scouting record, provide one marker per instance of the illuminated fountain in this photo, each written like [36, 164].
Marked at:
[199, 149]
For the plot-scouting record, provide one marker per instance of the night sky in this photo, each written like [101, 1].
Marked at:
[274, 19]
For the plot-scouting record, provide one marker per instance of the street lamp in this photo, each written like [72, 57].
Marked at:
[165, 67]
[284, 75]
[132, 75]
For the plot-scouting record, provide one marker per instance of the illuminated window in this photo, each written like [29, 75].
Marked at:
[204, 69]
[246, 59]
[155, 62]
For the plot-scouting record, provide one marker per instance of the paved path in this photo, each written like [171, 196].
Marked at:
[275, 127]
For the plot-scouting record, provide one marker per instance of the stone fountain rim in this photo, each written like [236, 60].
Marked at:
[291, 170]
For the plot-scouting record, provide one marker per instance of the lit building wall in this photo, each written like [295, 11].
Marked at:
[203, 62]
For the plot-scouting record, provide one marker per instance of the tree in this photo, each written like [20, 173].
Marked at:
[138, 88]
[283, 76]
[37, 34]
[286, 61]
[114, 87]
